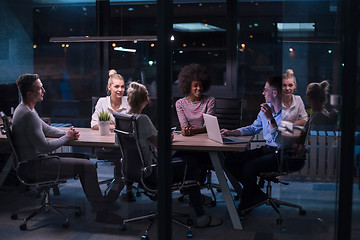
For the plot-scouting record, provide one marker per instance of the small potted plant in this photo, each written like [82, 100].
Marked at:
[104, 123]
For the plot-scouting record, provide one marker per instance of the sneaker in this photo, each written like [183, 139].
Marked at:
[243, 208]
[207, 221]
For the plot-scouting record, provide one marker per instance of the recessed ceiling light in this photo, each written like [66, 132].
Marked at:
[196, 27]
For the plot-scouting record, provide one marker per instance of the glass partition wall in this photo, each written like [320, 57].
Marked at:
[356, 180]
[240, 42]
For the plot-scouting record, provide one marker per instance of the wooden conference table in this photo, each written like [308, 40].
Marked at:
[199, 142]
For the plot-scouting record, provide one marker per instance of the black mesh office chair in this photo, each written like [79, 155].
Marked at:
[289, 161]
[229, 112]
[135, 170]
[44, 185]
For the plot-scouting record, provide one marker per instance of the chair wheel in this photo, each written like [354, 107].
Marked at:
[77, 213]
[302, 212]
[65, 225]
[145, 237]
[14, 216]
[23, 227]
[122, 227]
[279, 221]
[189, 234]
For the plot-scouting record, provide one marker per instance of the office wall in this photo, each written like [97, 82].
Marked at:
[15, 39]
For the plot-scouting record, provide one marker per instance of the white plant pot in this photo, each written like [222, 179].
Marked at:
[104, 128]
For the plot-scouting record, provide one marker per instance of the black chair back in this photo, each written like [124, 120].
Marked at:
[132, 163]
[21, 172]
[293, 158]
[290, 163]
[6, 129]
[228, 112]
[94, 101]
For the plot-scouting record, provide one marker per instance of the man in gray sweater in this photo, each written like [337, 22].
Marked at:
[30, 133]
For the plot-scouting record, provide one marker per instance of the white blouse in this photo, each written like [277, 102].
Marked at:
[104, 105]
[296, 111]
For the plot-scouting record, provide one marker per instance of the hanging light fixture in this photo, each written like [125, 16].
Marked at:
[104, 39]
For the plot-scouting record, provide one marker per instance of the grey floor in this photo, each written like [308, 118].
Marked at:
[318, 199]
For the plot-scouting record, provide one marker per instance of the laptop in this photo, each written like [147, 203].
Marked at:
[213, 131]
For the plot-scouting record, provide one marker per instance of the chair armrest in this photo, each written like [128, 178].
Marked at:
[71, 155]
[56, 179]
[175, 164]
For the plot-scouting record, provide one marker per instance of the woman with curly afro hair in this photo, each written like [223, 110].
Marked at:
[193, 82]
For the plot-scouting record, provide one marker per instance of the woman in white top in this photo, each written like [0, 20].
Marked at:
[115, 102]
[293, 109]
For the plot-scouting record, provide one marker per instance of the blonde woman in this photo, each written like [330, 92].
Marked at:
[147, 134]
[316, 98]
[114, 102]
[293, 109]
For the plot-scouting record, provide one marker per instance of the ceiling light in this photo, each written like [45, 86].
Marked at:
[196, 27]
[298, 27]
[124, 49]
[103, 39]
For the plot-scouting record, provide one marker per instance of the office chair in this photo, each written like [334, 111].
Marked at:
[229, 112]
[135, 170]
[43, 185]
[289, 162]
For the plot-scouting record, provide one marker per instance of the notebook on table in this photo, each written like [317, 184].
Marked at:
[213, 131]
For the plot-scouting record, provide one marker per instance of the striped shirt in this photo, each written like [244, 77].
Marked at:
[190, 113]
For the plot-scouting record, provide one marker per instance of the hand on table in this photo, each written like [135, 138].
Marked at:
[187, 131]
[72, 133]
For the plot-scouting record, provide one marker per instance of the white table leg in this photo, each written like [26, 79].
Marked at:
[215, 159]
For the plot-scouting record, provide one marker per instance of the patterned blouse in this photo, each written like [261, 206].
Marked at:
[190, 113]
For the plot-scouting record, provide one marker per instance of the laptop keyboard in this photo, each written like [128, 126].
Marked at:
[227, 140]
